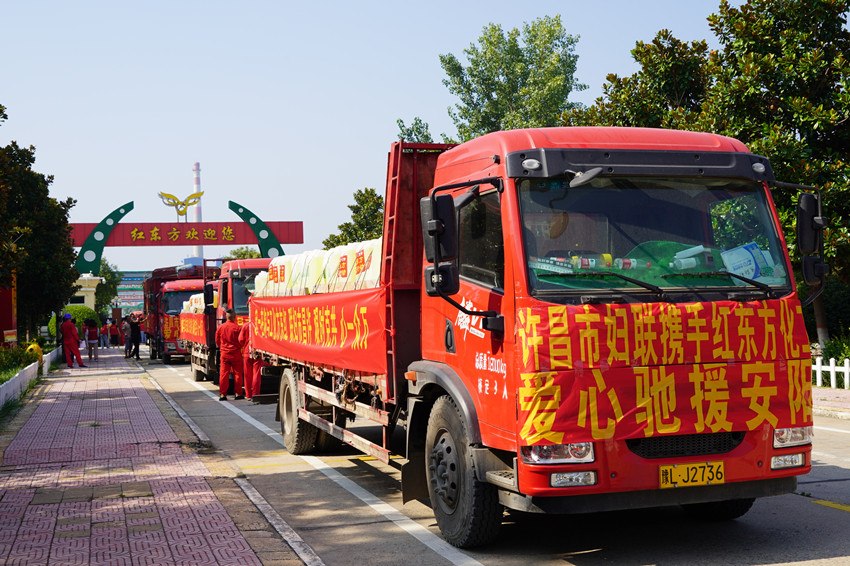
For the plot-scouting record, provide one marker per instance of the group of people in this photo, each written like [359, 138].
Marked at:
[129, 334]
[233, 343]
[231, 338]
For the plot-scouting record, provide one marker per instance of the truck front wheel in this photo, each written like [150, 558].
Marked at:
[298, 436]
[467, 510]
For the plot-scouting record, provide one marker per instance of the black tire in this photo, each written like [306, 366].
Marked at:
[198, 374]
[299, 436]
[467, 510]
[719, 510]
[326, 442]
[166, 358]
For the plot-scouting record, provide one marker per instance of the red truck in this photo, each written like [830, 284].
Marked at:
[568, 320]
[165, 290]
[229, 286]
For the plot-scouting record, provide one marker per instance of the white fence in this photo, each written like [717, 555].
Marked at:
[13, 388]
[832, 369]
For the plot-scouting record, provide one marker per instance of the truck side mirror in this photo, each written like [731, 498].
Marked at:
[810, 224]
[209, 295]
[439, 229]
[814, 270]
[443, 278]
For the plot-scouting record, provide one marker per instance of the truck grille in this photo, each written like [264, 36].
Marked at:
[685, 445]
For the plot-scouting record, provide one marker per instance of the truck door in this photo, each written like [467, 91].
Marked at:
[483, 355]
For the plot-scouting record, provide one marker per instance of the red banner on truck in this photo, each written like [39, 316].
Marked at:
[348, 328]
[614, 371]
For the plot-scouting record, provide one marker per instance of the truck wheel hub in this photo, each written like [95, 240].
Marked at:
[443, 466]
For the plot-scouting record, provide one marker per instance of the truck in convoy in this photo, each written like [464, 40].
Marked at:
[164, 292]
[566, 320]
[227, 286]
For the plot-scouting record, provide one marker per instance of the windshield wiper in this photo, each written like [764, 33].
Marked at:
[757, 284]
[658, 291]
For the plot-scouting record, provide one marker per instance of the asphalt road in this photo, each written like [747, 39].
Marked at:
[348, 508]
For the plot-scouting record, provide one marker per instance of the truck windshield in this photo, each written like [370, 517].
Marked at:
[669, 233]
[242, 290]
[172, 301]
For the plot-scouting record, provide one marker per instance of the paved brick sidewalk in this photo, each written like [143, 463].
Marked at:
[93, 472]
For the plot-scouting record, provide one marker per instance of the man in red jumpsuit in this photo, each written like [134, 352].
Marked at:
[71, 342]
[245, 342]
[227, 340]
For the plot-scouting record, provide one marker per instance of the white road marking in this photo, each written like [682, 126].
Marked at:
[301, 548]
[407, 524]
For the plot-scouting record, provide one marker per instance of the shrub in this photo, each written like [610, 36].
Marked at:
[13, 360]
[838, 348]
[80, 312]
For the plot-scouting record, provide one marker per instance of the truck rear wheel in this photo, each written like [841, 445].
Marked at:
[299, 436]
[467, 510]
[198, 374]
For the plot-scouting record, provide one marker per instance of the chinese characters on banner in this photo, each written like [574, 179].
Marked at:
[192, 327]
[188, 234]
[595, 372]
[346, 329]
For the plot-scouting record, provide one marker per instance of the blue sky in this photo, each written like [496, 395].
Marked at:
[289, 107]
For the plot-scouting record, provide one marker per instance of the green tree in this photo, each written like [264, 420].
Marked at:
[367, 220]
[242, 252]
[517, 79]
[418, 132]
[46, 278]
[106, 292]
[779, 83]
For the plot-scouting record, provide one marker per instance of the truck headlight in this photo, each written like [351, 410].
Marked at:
[787, 461]
[787, 437]
[170, 346]
[572, 479]
[577, 453]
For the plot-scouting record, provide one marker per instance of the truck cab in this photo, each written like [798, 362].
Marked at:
[613, 315]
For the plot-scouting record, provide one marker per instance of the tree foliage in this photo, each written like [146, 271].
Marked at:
[41, 251]
[418, 132]
[517, 79]
[367, 220]
[106, 292]
[779, 83]
[242, 252]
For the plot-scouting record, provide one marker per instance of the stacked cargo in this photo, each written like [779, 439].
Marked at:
[343, 268]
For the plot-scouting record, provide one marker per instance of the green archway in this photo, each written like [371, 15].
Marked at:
[269, 244]
[89, 259]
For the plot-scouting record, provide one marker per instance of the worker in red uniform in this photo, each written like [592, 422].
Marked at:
[248, 361]
[71, 342]
[227, 340]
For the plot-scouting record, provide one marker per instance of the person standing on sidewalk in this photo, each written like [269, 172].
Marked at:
[71, 342]
[135, 335]
[125, 332]
[92, 337]
[104, 335]
[227, 340]
[114, 333]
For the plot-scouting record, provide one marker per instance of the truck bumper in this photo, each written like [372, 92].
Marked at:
[594, 503]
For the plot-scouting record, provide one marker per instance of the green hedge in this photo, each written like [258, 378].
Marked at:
[80, 312]
[13, 360]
